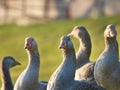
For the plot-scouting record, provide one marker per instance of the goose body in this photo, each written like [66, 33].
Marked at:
[6, 63]
[107, 68]
[28, 80]
[63, 77]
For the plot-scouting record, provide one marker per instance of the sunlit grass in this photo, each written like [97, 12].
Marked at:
[48, 36]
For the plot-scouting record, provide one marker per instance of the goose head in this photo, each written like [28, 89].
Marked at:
[9, 62]
[30, 44]
[65, 43]
[78, 32]
[110, 31]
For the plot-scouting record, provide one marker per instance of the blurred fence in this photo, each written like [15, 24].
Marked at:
[26, 11]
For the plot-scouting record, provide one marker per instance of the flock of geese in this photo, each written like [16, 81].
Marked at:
[76, 71]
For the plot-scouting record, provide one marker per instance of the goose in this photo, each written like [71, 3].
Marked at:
[84, 67]
[107, 67]
[28, 80]
[63, 77]
[6, 63]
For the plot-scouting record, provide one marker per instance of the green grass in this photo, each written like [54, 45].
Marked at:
[48, 37]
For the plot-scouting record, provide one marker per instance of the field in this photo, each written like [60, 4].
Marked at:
[48, 36]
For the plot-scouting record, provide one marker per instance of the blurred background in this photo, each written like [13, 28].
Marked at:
[47, 21]
[30, 11]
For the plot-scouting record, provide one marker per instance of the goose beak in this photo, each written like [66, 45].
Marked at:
[113, 33]
[60, 47]
[62, 44]
[17, 63]
[27, 44]
[70, 35]
[25, 47]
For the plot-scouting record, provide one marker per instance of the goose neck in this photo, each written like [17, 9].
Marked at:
[84, 51]
[69, 54]
[6, 79]
[69, 61]
[85, 45]
[34, 58]
[111, 49]
[111, 43]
